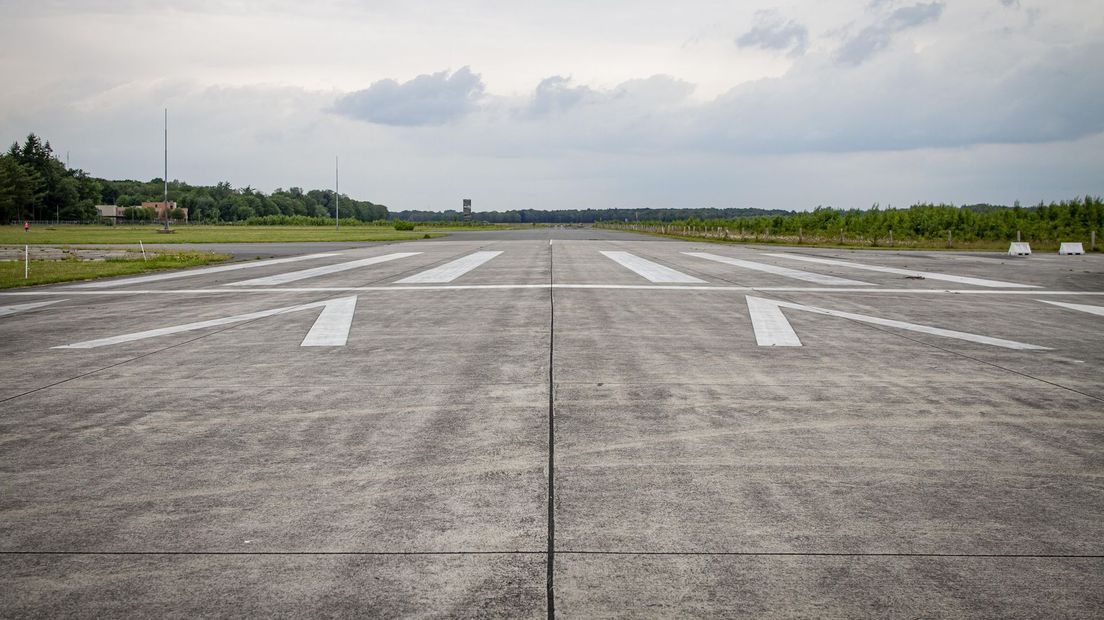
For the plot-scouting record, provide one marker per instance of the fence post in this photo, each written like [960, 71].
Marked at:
[800, 235]
[841, 236]
[1017, 236]
[1092, 243]
[890, 237]
[949, 238]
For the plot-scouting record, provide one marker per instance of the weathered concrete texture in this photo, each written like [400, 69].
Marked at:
[675, 432]
[763, 469]
[603, 586]
[265, 586]
[276, 469]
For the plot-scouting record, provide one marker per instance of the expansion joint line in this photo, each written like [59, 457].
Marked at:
[550, 590]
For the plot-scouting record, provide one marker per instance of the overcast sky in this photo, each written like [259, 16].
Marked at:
[568, 105]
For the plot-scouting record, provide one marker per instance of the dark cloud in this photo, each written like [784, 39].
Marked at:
[771, 32]
[873, 39]
[430, 99]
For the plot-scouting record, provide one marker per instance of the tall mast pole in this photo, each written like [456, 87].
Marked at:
[337, 193]
[166, 168]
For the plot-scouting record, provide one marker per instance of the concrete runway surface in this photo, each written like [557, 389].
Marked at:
[719, 430]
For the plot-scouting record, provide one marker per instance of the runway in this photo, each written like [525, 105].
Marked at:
[601, 424]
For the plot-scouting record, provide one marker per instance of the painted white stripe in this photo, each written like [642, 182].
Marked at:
[771, 327]
[598, 287]
[6, 310]
[451, 270]
[785, 339]
[201, 272]
[333, 325]
[293, 276]
[327, 335]
[785, 272]
[1097, 310]
[929, 275]
[649, 270]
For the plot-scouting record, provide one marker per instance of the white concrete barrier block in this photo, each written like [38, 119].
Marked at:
[1019, 249]
[1071, 248]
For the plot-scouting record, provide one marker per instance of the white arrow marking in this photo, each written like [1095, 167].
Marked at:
[6, 310]
[284, 278]
[773, 330]
[649, 270]
[1097, 310]
[771, 327]
[785, 272]
[451, 270]
[201, 272]
[331, 329]
[930, 275]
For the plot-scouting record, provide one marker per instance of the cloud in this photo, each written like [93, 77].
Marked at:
[653, 92]
[874, 38]
[1015, 4]
[902, 100]
[772, 32]
[593, 115]
[429, 99]
[556, 95]
[907, 100]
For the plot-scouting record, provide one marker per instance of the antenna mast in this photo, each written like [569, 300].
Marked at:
[166, 168]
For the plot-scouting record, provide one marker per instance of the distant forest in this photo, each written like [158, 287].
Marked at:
[36, 185]
[584, 216]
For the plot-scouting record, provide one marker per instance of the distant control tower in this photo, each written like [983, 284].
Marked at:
[467, 209]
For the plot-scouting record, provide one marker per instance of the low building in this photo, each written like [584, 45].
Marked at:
[110, 212]
[162, 209]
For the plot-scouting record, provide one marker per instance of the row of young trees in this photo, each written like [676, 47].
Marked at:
[36, 185]
[1065, 220]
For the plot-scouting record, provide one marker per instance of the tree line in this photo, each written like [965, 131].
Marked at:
[36, 185]
[583, 216]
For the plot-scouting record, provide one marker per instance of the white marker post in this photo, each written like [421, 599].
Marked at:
[143, 249]
[26, 262]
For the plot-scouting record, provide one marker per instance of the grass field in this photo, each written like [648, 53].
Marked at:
[52, 271]
[80, 234]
